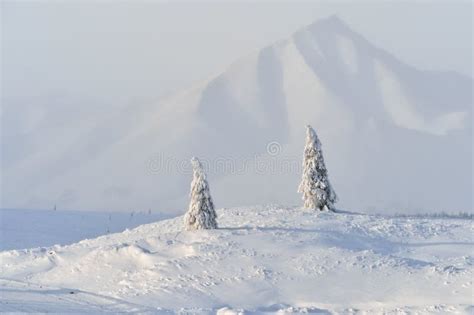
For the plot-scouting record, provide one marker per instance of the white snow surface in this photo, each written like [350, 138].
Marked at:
[25, 228]
[264, 259]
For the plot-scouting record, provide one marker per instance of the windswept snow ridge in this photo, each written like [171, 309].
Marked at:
[261, 259]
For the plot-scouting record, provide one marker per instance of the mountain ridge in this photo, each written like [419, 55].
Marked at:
[379, 122]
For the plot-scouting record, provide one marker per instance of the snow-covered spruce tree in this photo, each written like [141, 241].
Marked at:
[201, 213]
[315, 186]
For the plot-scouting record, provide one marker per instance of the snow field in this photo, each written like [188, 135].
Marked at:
[262, 259]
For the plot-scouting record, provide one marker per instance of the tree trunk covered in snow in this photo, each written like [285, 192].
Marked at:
[315, 186]
[201, 213]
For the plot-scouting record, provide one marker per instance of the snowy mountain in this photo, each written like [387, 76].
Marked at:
[267, 260]
[394, 137]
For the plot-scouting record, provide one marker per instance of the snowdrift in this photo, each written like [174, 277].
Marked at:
[262, 259]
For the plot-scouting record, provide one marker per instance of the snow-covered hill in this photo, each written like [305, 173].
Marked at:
[394, 137]
[261, 259]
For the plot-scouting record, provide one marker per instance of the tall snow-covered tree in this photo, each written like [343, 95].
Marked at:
[315, 186]
[201, 214]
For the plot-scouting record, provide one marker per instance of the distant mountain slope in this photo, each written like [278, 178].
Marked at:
[395, 137]
[261, 259]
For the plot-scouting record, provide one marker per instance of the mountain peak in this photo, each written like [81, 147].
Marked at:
[332, 22]
[334, 18]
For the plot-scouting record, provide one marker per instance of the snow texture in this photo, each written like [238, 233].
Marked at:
[261, 260]
[201, 214]
[315, 186]
[32, 228]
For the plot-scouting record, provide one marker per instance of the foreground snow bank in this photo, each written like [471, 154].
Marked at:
[261, 259]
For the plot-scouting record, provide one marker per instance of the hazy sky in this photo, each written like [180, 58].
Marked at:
[144, 50]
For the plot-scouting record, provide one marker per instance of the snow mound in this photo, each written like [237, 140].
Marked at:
[264, 259]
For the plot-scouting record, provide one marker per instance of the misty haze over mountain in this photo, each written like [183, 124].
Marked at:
[246, 157]
[395, 137]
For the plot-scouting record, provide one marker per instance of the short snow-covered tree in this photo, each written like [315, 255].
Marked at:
[315, 186]
[201, 213]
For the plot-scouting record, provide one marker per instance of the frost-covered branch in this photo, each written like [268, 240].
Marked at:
[315, 186]
[201, 213]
